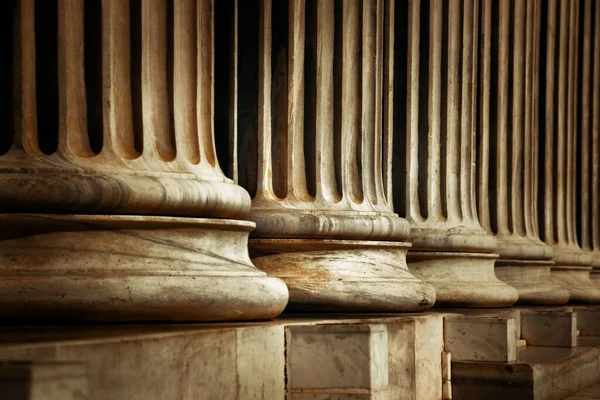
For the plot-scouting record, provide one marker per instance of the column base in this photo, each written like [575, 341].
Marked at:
[462, 279]
[343, 275]
[131, 268]
[577, 281]
[533, 281]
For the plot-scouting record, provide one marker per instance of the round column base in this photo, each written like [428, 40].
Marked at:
[78, 268]
[577, 281]
[533, 281]
[462, 279]
[343, 275]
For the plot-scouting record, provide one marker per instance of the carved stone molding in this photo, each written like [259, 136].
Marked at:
[318, 159]
[114, 116]
[435, 179]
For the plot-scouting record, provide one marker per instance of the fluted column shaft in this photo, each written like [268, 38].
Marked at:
[435, 183]
[321, 176]
[113, 116]
[562, 138]
[509, 147]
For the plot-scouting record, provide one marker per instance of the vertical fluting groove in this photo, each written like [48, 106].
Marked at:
[25, 82]
[536, 144]
[351, 102]
[46, 71]
[73, 133]
[8, 45]
[434, 201]
[388, 97]
[310, 98]
[596, 133]
[326, 179]
[119, 134]
[156, 129]
[472, 133]
[280, 78]
[206, 87]
[530, 131]
[184, 86]
[296, 183]
[467, 209]
[571, 127]
[379, 101]
[412, 102]
[92, 55]
[452, 111]
[484, 122]
[233, 99]
[369, 101]
[550, 127]
[584, 174]
[518, 107]
[502, 160]
[265, 162]
[561, 129]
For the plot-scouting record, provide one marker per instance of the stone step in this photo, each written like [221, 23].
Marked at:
[593, 392]
[543, 373]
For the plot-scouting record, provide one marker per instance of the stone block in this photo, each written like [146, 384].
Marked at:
[539, 373]
[220, 362]
[337, 360]
[588, 320]
[480, 338]
[549, 328]
[415, 357]
[43, 381]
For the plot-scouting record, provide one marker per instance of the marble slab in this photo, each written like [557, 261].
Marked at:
[415, 357]
[220, 362]
[43, 381]
[539, 373]
[348, 359]
[480, 338]
[549, 328]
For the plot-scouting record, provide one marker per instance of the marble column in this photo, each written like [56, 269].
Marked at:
[509, 147]
[560, 143]
[315, 132]
[435, 178]
[113, 205]
[588, 166]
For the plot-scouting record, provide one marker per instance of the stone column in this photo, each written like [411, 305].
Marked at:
[560, 142]
[435, 182]
[113, 203]
[318, 159]
[509, 148]
[589, 131]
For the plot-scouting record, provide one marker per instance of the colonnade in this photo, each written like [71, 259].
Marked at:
[383, 156]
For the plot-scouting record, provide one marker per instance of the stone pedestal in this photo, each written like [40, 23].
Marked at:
[508, 148]
[113, 205]
[318, 161]
[435, 175]
[562, 140]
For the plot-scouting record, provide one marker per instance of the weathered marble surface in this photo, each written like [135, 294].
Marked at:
[489, 339]
[549, 328]
[540, 373]
[131, 268]
[220, 362]
[337, 359]
[415, 346]
[43, 381]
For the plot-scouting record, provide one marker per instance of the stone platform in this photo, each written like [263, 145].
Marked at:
[524, 352]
